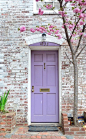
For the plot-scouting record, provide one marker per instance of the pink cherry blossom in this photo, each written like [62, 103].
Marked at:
[66, 24]
[63, 26]
[57, 32]
[67, 0]
[40, 12]
[51, 26]
[22, 28]
[59, 36]
[76, 10]
[62, 13]
[32, 30]
[49, 33]
[73, 4]
[70, 27]
[52, 30]
[81, 33]
[85, 35]
[37, 29]
[81, 22]
[81, 15]
[48, 6]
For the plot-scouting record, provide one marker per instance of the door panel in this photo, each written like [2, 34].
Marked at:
[51, 75]
[38, 111]
[38, 75]
[50, 57]
[51, 104]
[44, 75]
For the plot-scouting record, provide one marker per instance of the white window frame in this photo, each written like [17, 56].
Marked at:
[35, 11]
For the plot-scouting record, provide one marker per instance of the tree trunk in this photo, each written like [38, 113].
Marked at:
[75, 111]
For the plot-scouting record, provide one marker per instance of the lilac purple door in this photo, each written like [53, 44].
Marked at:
[44, 84]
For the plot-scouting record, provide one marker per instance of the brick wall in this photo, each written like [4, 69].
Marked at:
[7, 122]
[14, 59]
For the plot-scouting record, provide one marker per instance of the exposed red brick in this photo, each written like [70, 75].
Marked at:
[74, 128]
[82, 129]
[66, 129]
[2, 134]
[65, 122]
[2, 129]
[9, 123]
[69, 132]
[3, 116]
[80, 133]
[2, 123]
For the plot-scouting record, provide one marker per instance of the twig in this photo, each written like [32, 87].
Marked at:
[69, 58]
[65, 4]
[80, 51]
[80, 39]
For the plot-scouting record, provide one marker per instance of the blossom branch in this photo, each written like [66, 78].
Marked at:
[76, 25]
[67, 36]
[80, 39]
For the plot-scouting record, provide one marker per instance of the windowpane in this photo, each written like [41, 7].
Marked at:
[40, 4]
[56, 5]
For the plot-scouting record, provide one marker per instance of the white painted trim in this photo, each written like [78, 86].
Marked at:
[31, 41]
[29, 87]
[59, 56]
[38, 38]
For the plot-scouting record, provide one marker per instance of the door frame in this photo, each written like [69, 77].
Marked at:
[30, 48]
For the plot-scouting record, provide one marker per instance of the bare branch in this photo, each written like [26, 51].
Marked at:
[57, 13]
[65, 4]
[80, 39]
[67, 36]
[69, 58]
[80, 51]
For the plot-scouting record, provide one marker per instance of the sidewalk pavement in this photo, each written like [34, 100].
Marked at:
[22, 133]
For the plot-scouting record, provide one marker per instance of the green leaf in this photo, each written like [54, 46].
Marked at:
[3, 101]
[53, 8]
[72, 8]
[44, 5]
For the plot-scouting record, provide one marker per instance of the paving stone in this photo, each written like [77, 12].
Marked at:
[8, 135]
[69, 137]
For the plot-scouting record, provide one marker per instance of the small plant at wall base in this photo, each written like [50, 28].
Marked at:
[3, 100]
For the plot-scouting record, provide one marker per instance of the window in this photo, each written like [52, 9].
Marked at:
[40, 4]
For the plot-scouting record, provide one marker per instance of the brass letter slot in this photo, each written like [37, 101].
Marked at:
[44, 90]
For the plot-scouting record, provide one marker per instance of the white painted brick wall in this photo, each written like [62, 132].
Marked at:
[14, 58]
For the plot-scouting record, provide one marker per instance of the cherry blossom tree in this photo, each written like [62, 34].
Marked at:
[73, 15]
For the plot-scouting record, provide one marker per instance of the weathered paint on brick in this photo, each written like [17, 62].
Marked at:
[14, 59]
